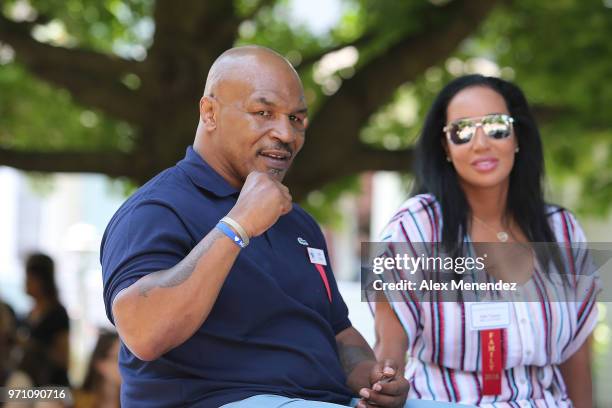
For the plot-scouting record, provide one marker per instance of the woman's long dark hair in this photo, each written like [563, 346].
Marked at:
[435, 175]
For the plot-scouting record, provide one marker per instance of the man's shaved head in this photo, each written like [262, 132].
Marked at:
[253, 115]
[245, 64]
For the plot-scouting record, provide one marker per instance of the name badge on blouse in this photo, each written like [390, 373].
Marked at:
[489, 315]
[317, 258]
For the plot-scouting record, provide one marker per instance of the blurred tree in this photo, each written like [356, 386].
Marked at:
[112, 86]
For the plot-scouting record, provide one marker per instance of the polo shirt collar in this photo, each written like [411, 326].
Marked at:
[203, 175]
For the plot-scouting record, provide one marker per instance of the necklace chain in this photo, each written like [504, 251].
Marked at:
[501, 235]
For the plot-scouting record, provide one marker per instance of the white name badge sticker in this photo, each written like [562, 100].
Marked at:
[317, 256]
[489, 315]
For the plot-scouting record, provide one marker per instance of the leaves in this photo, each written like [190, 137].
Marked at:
[558, 51]
[36, 116]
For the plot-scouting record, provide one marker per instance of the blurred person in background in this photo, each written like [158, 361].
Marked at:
[11, 376]
[478, 179]
[102, 382]
[8, 331]
[46, 348]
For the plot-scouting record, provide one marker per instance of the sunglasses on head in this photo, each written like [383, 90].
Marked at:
[495, 126]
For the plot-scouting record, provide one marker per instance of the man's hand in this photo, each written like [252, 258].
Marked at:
[388, 387]
[262, 201]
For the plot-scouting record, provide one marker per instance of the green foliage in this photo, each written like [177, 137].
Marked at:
[323, 204]
[561, 55]
[103, 25]
[559, 52]
[36, 116]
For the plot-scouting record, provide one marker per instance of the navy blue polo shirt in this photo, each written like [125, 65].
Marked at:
[272, 329]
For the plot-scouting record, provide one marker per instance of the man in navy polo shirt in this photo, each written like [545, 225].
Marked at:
[208, 318]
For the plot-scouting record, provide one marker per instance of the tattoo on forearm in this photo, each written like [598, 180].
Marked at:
[182, 271]
[351, 356]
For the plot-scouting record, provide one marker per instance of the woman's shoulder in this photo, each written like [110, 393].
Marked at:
[564, 224]
[57, 313]
[418, 205]
[55, 320]
[418, 217]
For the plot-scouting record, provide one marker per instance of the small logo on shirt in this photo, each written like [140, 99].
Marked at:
[302, 241]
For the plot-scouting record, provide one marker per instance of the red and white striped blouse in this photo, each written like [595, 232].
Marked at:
[444, 361]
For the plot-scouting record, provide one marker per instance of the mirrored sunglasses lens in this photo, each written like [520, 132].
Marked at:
[461, 135]
[499, 130]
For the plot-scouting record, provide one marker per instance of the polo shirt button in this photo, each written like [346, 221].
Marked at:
[524, 321]
[528, 352]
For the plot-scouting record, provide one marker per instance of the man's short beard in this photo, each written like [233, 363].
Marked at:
[275, 172]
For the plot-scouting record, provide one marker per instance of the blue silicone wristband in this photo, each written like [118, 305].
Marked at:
[231, 234]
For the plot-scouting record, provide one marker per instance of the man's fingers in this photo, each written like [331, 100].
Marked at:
[278, 183]
[286, 206]
[394, 388]
[283, 187]
[378, 399]
[364, 404]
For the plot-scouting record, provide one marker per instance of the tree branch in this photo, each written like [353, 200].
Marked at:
[358, 42]
[186, 42]
[390, 160]
[93, 79]
[342, 116]
[262, 4]
[303, 179]
[547, 114]
[204, 25]
[113, 164]
[443, 29]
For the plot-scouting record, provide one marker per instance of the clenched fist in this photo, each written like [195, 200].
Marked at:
[262, 200]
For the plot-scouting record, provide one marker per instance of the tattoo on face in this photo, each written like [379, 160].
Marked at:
[182, 271]
[351, 356]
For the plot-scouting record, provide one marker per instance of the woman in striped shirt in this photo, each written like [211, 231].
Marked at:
[479, 172]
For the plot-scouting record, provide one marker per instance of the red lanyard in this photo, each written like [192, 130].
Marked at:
[325, 281]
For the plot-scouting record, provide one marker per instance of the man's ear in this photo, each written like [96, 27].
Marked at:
[208, 112]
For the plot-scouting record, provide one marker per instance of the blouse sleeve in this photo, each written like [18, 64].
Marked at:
[411, 231]
[583, 273]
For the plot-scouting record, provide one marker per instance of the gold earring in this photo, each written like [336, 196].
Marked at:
[516, 150]
[448, 159]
